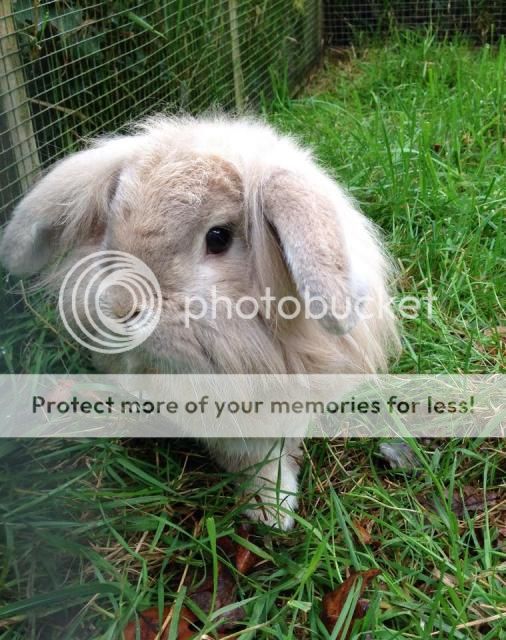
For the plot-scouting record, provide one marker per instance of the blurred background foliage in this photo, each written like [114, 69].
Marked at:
[92, 67]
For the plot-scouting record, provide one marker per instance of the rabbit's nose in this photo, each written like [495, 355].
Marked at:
[122, 306]
[124, 314]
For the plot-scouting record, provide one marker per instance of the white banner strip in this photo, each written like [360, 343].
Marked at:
[252, 406]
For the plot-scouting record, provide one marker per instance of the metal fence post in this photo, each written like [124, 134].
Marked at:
[236, 56]
[15, 114]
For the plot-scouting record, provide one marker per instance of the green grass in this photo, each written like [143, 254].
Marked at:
[100, 530]
[416, 131]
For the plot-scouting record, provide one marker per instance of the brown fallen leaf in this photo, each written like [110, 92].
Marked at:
[472, 500]
[244, 559]
[150, 625]
[447, 579]
[226, 592]
[363, 529]
[363, 534]
[186, 628]
[497, 347]
[361, 608]
[202, 596]
[500, 331]
[501, 539]
[333, 602]
[467, 499]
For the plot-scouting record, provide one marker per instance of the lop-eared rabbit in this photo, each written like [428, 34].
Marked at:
[232, 205]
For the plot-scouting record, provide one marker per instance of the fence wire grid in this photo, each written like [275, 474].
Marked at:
[351, 21]
[71, 69]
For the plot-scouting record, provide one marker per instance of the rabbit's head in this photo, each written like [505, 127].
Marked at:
[263, 264]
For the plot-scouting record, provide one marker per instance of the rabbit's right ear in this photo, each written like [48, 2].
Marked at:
[66, 207]
[304, 213]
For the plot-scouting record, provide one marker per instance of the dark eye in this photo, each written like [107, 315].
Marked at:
[218, 239]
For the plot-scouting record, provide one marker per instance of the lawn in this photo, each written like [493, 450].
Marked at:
[94, 532]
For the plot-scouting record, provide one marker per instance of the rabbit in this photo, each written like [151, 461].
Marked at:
[228, 203]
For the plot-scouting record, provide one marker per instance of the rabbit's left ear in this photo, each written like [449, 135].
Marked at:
[66, 208]
[305, 218]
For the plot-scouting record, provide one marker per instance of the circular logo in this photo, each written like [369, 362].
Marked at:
[110, 301]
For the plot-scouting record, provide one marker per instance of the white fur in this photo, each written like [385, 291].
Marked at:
[175, 178]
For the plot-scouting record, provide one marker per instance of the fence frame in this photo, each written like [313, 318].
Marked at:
[15, 104]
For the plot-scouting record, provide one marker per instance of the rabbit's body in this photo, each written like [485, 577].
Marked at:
[157, 195]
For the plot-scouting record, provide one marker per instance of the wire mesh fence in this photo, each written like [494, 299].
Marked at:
[348, 21]
[72, 69]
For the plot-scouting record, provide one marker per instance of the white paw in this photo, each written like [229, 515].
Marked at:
[274, 514]
[274, 500]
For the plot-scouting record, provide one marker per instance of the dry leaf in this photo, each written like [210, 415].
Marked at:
[363, 534]
[447, 579]
[334, 601]
[500, 331]
[468, 500]
[363, 529]
[186, 628]
[494, 349]
[226, 594]
[245, 560]
[361, 608]
[150, 625]
[472, 500]
[501, 538]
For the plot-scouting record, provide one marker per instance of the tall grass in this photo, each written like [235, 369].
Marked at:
[416, 132]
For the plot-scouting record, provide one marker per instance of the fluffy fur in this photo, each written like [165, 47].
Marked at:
[156, 193]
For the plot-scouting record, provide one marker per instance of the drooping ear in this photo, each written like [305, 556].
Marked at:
[305, 214]
[66, 207]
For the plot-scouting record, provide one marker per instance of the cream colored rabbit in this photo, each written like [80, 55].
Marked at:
[226, 204]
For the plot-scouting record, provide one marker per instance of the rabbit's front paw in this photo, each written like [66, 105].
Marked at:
[273, 496]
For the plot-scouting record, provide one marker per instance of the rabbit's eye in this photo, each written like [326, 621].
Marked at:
[218, 239]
